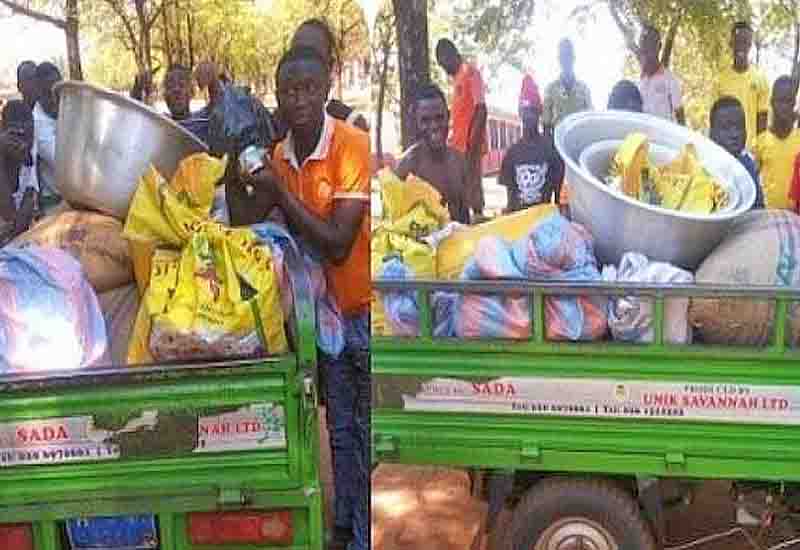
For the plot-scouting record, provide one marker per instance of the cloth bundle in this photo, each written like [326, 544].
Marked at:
[49, 315]
[555, 250]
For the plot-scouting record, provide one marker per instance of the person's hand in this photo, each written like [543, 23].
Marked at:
[12, 145]
[263, 188]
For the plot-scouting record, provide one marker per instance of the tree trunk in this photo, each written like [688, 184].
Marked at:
[383, 80]
[146, 53]
[796, 57]
[169, 32]
[411, 22]
[69, 24]
[190, 36]
[669, 41]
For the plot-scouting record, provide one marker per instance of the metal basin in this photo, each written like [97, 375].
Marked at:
[105, 142]
[620, 224]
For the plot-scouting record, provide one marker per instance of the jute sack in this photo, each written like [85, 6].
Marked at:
[120, 307]
[95, 240]
[763, 248]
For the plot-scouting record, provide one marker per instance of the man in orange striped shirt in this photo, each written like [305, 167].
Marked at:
[469, 114]
[319, 177]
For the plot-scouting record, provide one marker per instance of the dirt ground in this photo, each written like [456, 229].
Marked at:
[401, 520]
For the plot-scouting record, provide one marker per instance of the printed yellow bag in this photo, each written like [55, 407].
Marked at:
[216, 298]
[163, 213]
[399, 197]
[417, 223]
[419, 257]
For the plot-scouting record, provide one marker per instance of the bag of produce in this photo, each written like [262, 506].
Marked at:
[558, 250]
[120, 307]
[95, 240]
[762, 248]
[454, 252]
[555, 250]
[416, 257]
[218, 296]
[49, 318]
[630, 318]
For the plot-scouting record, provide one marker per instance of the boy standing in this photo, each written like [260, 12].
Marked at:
[776, 149]
[18, 181]
[319, 178]
[746, 83]
[729, 131]
[531, 171]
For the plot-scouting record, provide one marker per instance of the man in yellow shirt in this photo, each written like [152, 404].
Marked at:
[746, 83]
[776, 149]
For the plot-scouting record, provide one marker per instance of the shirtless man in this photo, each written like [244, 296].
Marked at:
[432, 159]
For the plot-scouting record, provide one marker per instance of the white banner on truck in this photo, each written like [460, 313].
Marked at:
[611, 399]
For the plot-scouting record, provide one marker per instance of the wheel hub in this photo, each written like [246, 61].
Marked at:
[576, 534]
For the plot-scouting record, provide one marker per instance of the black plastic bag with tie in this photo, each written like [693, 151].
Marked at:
[238, 121]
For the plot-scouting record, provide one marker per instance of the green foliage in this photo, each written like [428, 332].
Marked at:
[244, 39]
[498, 29]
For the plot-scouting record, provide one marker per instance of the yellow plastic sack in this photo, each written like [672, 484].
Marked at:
[685, 186]
[629, 161]
[454, 251]
[215, 293]
[417, 223]
[157, 218]
[418, 256]
[399, 197]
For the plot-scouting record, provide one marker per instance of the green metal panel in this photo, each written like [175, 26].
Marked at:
[450, 432]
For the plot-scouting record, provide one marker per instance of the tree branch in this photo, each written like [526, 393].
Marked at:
[120, 11]
[18, 8]
[669, 41]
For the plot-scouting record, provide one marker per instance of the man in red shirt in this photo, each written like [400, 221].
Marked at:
[468, 111]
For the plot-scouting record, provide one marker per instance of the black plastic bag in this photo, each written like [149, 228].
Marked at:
[237, 121]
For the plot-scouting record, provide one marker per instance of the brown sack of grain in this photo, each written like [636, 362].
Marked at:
[119, 307]
[93, 239]
[762, 248]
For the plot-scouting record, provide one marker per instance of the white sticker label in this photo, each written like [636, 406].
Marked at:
[259, 426]
[52, 441]
[741, 403]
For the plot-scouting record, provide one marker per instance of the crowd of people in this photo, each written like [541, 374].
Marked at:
[315, 177]
[532, 171]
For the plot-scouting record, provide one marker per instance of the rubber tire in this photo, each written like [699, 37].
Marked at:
[597, 500]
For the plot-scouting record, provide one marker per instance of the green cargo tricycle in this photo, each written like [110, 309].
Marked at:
[586, 445]
[220, 455]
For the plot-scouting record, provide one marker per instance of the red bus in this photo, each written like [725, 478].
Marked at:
[503, 130]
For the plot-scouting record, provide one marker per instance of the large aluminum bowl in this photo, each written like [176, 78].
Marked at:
[621, 224]
[105, 142]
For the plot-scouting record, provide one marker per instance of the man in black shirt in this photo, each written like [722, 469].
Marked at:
[532, 171]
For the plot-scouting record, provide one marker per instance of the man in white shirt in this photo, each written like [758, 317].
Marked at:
[45, 115]
[660, 89]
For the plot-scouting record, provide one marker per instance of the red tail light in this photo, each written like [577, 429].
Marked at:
[16, 536]
[217, 528]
